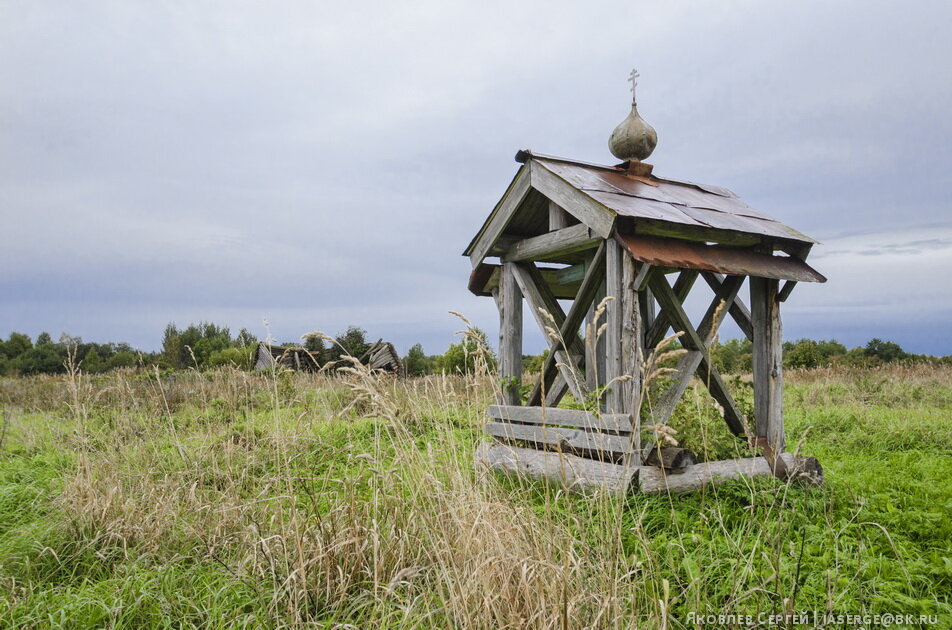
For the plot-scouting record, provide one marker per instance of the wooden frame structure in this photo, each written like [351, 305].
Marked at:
[567, 230]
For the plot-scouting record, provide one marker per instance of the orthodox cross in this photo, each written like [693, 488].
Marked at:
[633, 79]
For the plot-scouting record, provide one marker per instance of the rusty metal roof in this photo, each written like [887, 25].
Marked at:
[735, 261]
[667, 200]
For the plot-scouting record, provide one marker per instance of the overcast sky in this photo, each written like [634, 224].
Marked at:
[325, 164]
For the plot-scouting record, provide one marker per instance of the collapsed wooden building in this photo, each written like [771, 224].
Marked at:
[569, 230]
[380, 356]
[269, 356]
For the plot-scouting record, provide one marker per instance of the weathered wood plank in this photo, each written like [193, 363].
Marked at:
[652, 227]
[653, 480]
[631, 348]
[615, 258]
[501, 216]
[569, 328]
[553, 245]
[510, 335]
[562, 288]
[617, 422]
[569, 275]
[558, 218]
[561, 470]
[573, 201]
[738, 310]
[590, 442]
[767, 361]
[691, 340]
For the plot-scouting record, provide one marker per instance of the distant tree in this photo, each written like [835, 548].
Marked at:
[92, 363]
[44, 359]
[193, 346]
[352, 341]
[123, 359]
[17, 344]
[415, 362]
[239, 357]
[462, 357]
[245, 338]
[43, 339]
[315, 345]
[533, 362]
[885, 351]
[806, 353]
[734, 356]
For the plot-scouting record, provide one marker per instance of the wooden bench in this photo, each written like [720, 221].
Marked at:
[587, 452]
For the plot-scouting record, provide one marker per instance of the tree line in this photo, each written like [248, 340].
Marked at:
[207, 345]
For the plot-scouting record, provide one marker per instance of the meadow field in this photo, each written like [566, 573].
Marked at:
[229, 499]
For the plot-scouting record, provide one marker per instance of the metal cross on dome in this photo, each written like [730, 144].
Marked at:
[633, 79]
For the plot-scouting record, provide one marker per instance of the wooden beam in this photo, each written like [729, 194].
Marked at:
[510, 335]
[501, 216]
[569, 275]
[653, 480]
[738, 310]
[553, 245]
[618, 423]
[572, 200]
[661, 323]
[619, 266]
[569, 328]
[688, 363]
[703, 234]
[691, 340]
[594, 443]
[786, 290]
[489, 276]
[558, 218]
[561, 470]
[632, 350]
[767, 361]
[538, 296]
[595, 345]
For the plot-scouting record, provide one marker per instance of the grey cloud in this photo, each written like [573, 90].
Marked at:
[324, 165]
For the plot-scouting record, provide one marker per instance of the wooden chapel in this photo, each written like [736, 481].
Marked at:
[569, 230]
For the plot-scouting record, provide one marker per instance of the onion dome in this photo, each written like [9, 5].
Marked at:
[633, 140]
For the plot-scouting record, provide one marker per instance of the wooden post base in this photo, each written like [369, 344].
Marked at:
[587, 476]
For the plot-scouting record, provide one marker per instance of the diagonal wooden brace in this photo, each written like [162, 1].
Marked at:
[738, 309]
[569, 329]
[658, 328]
[688, 364]
[693, 341]
[540, 298]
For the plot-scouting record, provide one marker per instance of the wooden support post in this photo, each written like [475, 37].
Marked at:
[614, 288]
[595, 347]
[767, 361]
[510, 336]
[632, 349]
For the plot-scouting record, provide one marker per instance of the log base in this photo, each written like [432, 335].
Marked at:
[587, 476]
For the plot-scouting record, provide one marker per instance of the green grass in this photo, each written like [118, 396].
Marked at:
[231, 500]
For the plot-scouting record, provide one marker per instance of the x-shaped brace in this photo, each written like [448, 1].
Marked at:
[696, 342]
